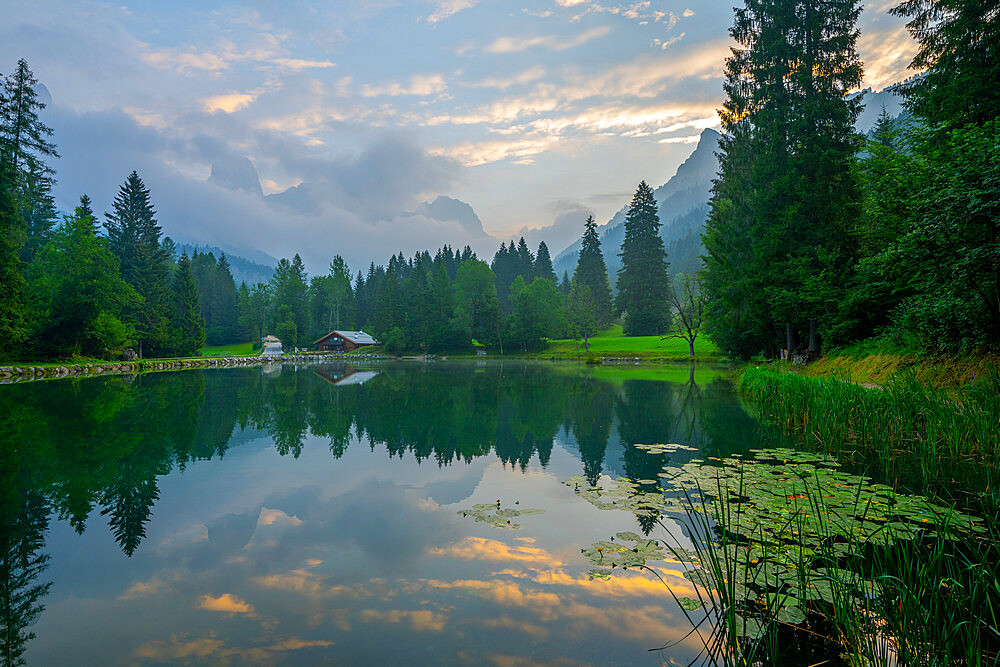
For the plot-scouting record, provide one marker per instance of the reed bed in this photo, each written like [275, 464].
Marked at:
[908, 431]
[935, 599]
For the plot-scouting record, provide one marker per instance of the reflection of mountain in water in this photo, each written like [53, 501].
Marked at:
[99, 445]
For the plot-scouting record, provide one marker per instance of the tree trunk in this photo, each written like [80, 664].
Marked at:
[789, 338]
[813, 337]
[691, 348]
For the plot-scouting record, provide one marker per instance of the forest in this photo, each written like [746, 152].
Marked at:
[817, 238]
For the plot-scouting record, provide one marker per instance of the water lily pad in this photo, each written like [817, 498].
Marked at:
[496, 516]
[689, 604]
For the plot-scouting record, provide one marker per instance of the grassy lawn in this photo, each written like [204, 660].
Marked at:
[228, 350]
[612, 343]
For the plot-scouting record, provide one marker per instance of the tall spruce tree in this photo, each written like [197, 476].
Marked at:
[592, 272]
[188, 324]
[958, 58]
[290, 302]
[790, 147]
[134, 238]
[23, 136]
[24, 140]
[12, 284]
[543, 264]
[643, 281]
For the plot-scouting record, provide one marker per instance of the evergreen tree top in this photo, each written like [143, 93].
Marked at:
[23, 136]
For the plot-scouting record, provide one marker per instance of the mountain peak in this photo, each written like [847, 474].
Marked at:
[236, 173]
[449, 209]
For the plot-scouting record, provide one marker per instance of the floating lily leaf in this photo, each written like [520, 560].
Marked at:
[664, 449]
[791, 614]
[689, 604]
[492, 514]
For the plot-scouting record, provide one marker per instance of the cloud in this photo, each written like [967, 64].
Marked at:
[143, 589]
[886, 55]
[299, 63]
[503, 83]
[418, 84]
[551, 42]
[521, 151]
[446, 8]
[228, 102]
[692, 139]
[182, 61]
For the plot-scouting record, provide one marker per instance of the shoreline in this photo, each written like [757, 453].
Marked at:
[15, 374]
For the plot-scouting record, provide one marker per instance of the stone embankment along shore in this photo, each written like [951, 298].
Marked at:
[10, 374]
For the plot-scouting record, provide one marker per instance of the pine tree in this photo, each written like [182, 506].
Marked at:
[12, 284]
[24, 143]
[787, 197]
[505, 267]
[134, 238]
[525, 261]
[290, 301]
[224, 327]
[189, 326]
[643, 282]
[592, 272]
[23, 136]
[78, 295]
[38, 209]
[543, 264]
[958, 58]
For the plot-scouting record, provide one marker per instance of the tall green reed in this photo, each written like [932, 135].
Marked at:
[927, 438]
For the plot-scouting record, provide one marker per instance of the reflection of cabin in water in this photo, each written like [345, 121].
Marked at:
[344, 341]
[344, 376]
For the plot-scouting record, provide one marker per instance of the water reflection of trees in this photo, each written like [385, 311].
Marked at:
[77, 447]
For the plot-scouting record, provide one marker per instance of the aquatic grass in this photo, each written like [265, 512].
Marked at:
[928, 438]
[795, 560]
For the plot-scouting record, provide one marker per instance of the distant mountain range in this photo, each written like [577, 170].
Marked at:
[683, 200]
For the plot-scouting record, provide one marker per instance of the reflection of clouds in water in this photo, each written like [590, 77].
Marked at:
[179, 648]
[481, 548]
[227, 603]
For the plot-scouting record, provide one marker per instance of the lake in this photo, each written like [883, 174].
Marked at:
[326, 513]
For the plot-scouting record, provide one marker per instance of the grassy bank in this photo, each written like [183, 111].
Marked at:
[613, 343]
[875, 362]
[228, 350]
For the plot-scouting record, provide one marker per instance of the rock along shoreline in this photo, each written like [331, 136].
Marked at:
[23, 373]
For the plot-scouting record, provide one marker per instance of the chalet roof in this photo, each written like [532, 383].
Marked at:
[356, 337]
[270, 339]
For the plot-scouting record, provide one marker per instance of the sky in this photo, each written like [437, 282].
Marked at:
[534, 113]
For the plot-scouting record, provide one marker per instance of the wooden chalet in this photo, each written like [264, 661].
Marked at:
[344, 341]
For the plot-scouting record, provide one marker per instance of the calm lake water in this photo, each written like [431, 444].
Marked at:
[312, 514]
